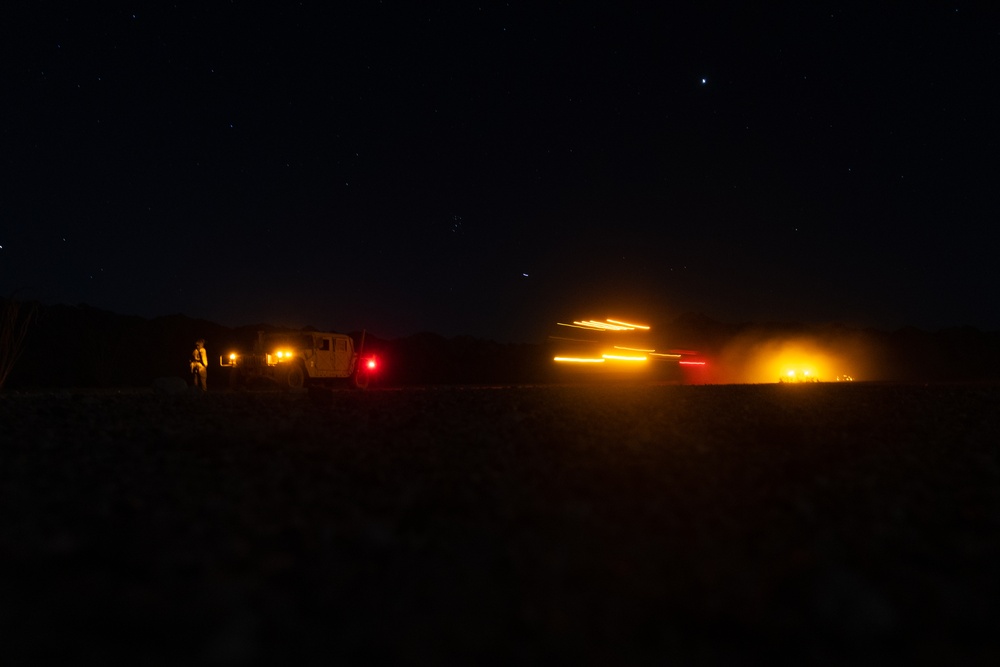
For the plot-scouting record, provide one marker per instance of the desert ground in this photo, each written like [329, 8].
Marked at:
[613, 524]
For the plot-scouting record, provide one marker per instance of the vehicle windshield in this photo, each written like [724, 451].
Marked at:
[294, 341]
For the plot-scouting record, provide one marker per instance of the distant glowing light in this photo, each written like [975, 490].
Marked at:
[800, 376]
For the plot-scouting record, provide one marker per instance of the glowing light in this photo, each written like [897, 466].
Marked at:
[232, 356]
[800, 376]
[691, 363]
[578, 360]
[633, 349]
[762, 356]
[664, 354]
[371, 364]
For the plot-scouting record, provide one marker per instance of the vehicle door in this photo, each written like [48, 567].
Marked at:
[325, 357]
[342, 356]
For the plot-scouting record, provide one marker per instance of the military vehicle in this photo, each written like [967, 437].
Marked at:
[297, 359]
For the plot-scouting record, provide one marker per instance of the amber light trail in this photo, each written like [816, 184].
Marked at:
[579, 360]
[629, 325]
[624, 357]
[600, 326]
[607, 325]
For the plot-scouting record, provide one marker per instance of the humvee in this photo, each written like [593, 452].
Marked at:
[296, 359]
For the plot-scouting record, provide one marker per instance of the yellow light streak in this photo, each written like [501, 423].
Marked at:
[623, 357]
[576, 325]
[604, 326]
[578, 360]
[628, 324]
[664, 354]
[633, 349]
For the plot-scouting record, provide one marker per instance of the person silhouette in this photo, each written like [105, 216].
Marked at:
[199, 365]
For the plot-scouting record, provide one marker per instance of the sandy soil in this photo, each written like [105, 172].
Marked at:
[616, 524]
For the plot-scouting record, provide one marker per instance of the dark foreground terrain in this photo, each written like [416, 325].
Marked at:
[521, 525]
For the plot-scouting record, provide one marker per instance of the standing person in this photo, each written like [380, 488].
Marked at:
[199, 365]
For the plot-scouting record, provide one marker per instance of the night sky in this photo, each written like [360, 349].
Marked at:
[491, 168]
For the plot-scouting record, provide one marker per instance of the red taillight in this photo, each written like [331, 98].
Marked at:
[370, 364]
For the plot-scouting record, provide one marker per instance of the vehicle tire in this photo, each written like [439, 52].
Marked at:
[296, 378]
[361, 378]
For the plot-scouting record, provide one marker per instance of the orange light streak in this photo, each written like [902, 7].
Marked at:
[622, 357]
[629, 325]
[603, 326]
[578, 360]
[581, 325]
